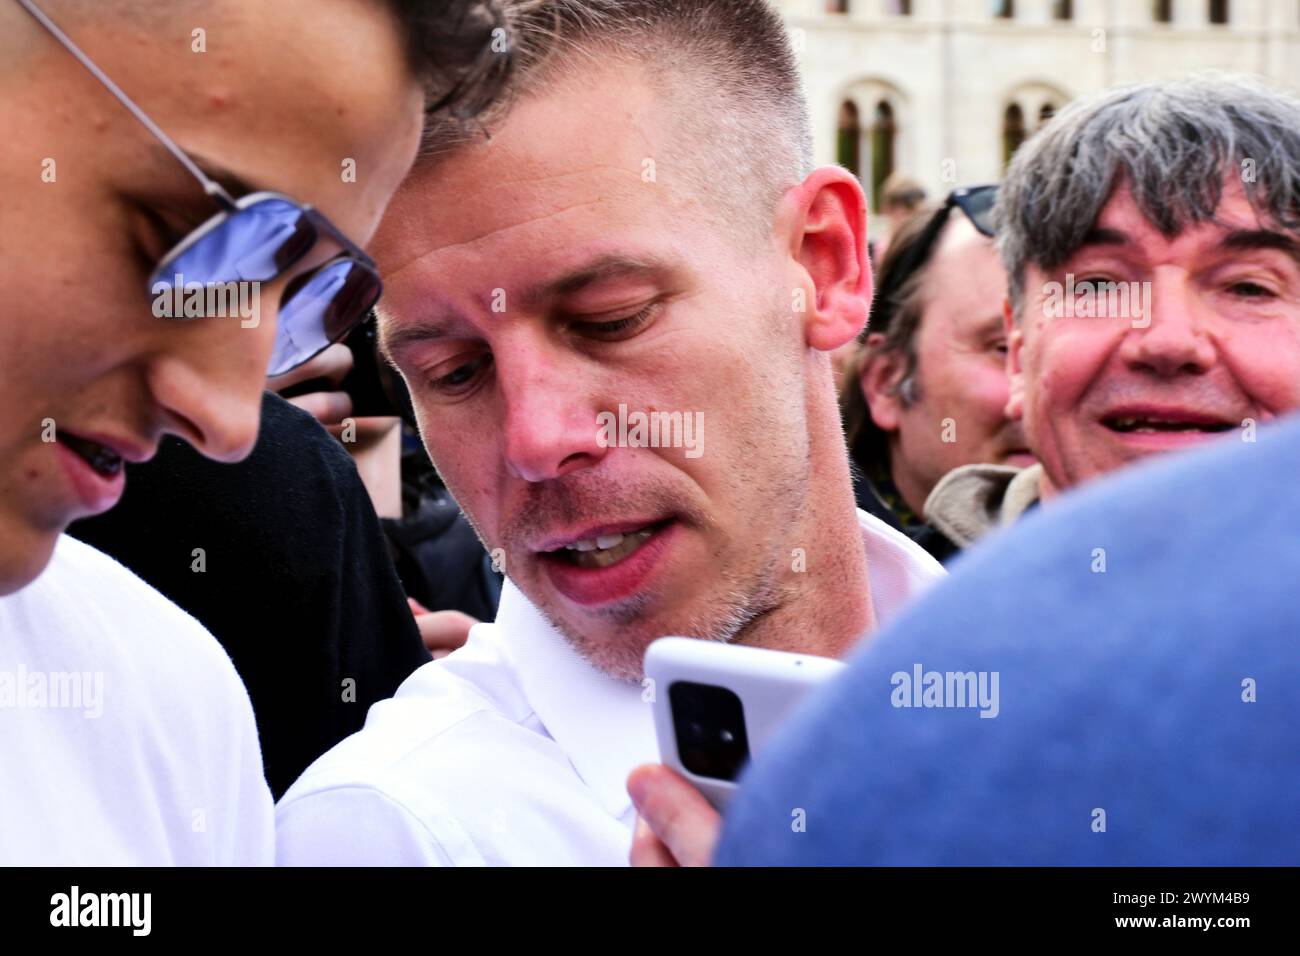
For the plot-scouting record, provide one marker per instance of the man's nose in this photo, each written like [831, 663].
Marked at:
[550, 426]
[1170, 337]
[210, 390]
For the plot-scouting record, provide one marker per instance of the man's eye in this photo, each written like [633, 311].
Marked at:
[617, 328]
[1250, 290]
[461, 378]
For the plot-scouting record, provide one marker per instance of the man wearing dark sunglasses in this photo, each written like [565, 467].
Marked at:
[152, 145]
[928, 391]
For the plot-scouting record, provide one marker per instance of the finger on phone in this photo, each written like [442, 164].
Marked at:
[676, 813]
[648, 849]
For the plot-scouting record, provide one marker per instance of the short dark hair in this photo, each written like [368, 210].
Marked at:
[867, 443]
[732, 55]
[450, 46]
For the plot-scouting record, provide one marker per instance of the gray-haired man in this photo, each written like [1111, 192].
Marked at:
[1187, 195]
[1152, 240]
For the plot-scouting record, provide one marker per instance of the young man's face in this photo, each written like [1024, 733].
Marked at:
[561, 272]
[959, 414]
[1219, 345]
[84, 355]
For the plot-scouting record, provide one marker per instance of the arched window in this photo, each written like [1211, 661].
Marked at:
[1004, 9]
[1046, 113]
[1163, 11]
[837, 6]
[1013, 131]
[1219, 11]
[849, 139]
[883, 134]
[1062, 9]
[899, 8]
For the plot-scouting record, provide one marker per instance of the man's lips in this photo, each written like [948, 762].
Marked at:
[101, 458]
[1149, 429]
[565, 540]
[607, 563]
[92, 443]
[95, 475]
[93, 465]
[1167, 420]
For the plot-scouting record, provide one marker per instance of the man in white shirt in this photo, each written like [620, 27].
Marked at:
[514, 750]
[126, 736]
[614, 315]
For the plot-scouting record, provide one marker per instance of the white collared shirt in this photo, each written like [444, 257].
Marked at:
[514, 750]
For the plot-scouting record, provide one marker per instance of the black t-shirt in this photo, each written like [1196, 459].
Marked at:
[297, 583]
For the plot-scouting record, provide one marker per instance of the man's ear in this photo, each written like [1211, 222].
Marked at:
[822, 223]
[1015, 373]
[879, 377]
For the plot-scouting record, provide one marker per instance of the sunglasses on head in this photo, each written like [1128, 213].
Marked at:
[258, 238]
[976, 202]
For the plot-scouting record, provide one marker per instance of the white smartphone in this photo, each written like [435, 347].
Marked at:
[716, 705]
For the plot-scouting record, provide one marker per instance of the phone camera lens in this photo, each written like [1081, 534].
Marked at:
[709, 722]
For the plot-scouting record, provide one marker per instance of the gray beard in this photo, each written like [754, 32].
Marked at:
[731, 615]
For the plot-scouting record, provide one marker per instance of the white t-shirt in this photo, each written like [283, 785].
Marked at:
[514, 750]
[126, 737]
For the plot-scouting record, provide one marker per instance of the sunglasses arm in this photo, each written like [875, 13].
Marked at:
[213, 189]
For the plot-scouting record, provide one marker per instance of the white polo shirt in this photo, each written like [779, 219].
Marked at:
[514, 750]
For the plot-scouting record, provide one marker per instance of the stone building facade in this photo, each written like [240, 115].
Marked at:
[945, 89]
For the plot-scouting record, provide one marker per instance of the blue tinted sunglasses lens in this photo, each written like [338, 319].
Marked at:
[320, 308]
[252, 245]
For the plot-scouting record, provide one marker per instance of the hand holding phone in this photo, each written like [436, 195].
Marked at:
[715, 705]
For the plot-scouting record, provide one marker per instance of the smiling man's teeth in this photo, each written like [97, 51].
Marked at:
[605, 549]
[1148, 426]
[604, 543]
